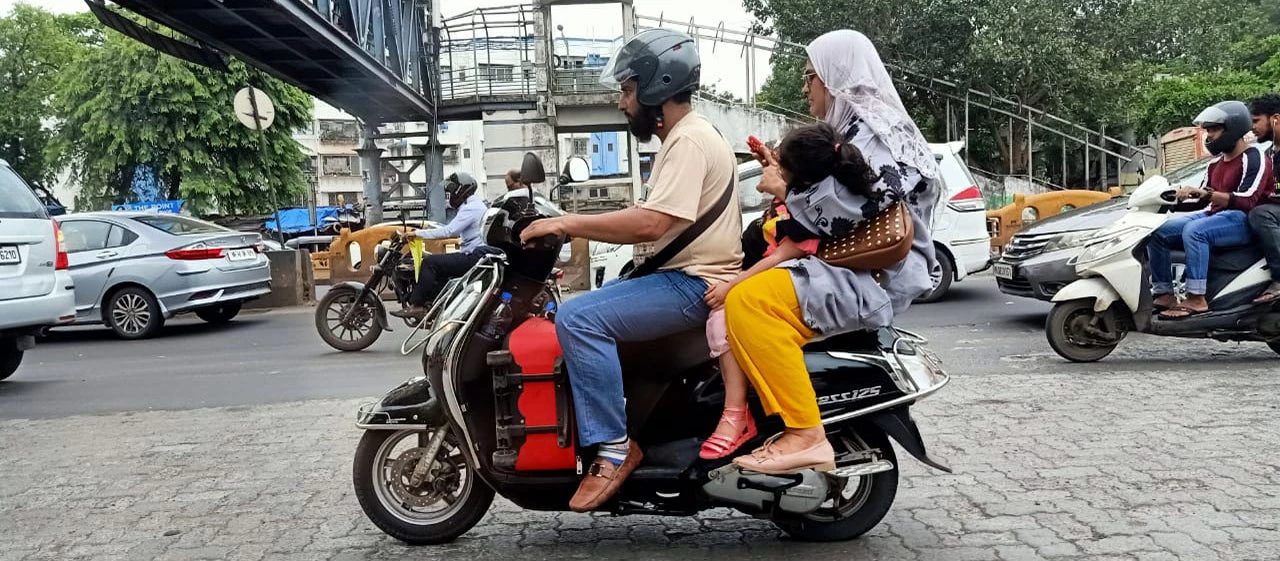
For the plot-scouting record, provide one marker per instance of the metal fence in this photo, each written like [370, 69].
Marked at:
[488, 52]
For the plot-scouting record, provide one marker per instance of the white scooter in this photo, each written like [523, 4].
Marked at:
[1113, 296]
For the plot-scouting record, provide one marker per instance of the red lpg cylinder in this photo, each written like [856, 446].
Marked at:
[539, 408]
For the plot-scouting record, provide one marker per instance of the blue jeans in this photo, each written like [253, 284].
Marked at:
[1195, 234]
[591, 326]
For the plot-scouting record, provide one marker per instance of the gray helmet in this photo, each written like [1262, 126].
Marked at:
[1233, 117]
[663, 63]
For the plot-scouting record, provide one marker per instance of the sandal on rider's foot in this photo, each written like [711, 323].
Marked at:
[1272, 294]
[1157, 308]
[718, 446]
[1181, 312]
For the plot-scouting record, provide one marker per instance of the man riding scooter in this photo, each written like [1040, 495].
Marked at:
[461, 193]
[1264, 220]
[694, 178]
[1237, 180]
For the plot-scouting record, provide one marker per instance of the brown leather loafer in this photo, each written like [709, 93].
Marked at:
[603, 480]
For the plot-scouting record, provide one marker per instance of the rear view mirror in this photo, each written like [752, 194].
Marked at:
[577, 169]
[531, 170]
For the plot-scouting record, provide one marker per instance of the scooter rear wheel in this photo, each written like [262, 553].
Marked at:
[437, 509]
[862, 503]
[1065, 330]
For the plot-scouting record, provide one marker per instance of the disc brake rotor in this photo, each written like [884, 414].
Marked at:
[442, 479]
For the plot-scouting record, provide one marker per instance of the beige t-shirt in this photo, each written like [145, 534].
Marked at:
[690, 172]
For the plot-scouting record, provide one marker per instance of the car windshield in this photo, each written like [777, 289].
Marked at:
[180, 225]
[1189, 174]
[16, 199]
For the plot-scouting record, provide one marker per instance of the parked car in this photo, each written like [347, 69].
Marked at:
[1037, 263]
[134, 270]
[36, 290]
[960, 225]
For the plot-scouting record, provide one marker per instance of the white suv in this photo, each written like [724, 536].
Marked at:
[36, 291]
[959, 229]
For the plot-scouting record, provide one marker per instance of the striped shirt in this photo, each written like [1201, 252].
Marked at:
[1249, 179]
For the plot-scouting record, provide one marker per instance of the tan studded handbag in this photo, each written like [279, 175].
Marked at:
[876, 244]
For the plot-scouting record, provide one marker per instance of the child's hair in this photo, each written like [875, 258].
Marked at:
[815, 152]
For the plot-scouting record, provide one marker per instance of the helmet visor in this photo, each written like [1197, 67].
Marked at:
[614, 74]
[1211, 116]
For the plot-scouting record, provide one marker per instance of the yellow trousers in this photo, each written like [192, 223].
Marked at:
[767, 334]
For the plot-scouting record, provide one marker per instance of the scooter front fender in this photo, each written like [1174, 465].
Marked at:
[1096, 289]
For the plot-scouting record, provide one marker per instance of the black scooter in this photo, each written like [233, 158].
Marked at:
[493, 413]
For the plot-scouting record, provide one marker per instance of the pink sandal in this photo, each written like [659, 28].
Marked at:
[718, 446]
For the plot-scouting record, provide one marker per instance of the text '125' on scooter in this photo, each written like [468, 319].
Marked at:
[493, 413]
[1113, 296]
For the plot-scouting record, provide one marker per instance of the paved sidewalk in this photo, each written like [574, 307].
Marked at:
[1135, 464]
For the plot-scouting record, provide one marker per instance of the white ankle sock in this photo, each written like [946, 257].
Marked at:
[616, 451]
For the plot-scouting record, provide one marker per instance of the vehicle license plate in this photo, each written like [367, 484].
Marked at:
[1004, 271]
[240, 254]
[9, 255]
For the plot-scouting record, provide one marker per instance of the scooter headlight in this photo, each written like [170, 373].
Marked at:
[1106, 246]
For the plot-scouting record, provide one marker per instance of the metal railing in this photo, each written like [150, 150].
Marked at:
[488, 52]
[584, 80]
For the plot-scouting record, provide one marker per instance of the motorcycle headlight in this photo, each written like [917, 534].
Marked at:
[1070, 240]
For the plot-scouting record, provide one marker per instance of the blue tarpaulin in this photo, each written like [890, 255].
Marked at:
[299, 219]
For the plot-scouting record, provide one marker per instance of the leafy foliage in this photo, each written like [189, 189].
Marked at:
[35, 46]
[125, 106]
[1090, 61]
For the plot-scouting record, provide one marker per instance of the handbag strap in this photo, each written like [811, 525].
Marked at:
[688, 236]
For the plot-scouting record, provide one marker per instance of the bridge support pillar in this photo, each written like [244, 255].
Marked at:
[371, 173]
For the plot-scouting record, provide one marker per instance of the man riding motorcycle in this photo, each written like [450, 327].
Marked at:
[657, 72]
[461, 193]
[1238, 178]
[1264, 219]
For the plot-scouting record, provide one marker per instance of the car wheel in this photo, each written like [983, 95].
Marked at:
[222, 313]
[948, 276]
[10, 357]
[133, 313]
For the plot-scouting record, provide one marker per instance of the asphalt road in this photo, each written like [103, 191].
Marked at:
[276, 356]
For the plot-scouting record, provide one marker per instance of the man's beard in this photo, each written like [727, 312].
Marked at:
[644, 124]
[1270, 136]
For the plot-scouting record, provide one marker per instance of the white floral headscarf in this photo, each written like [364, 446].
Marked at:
[859, 87]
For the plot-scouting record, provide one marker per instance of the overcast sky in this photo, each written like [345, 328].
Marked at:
[724, 66]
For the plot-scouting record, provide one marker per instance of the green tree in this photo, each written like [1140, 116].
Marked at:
[35, 45]
[126, 105]
[1080, 59]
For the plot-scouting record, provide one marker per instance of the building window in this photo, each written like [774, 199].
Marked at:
[466, 153]
[347, 198]
[497, 72]
[598, 192]
[579, 146]
[450, 155]
[595, 148]
[339, 166]
[339, 131]
[610, 149]
[528, 74]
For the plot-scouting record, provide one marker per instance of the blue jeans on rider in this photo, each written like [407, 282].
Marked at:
[1195, 234]
[591, 326]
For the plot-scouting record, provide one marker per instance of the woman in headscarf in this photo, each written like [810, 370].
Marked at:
[773, 314]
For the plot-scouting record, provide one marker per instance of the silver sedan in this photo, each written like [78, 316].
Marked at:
[133, 270]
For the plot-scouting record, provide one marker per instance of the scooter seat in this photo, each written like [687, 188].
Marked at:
[853, 341]
[1226, 259]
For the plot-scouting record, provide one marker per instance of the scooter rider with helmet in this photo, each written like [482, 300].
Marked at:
[461, 193]
[657, 72]
[1239, 177]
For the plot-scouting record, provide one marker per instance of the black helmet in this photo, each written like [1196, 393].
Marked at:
[1235, 120]
[459, 187]
[663, 63]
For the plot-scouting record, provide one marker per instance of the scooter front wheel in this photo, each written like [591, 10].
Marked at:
[1074, 331]
[418, 504]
